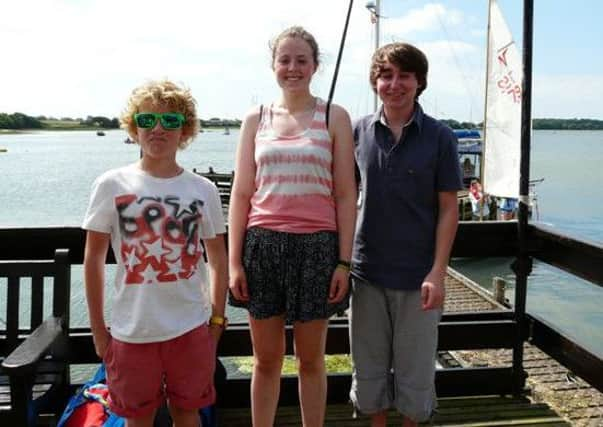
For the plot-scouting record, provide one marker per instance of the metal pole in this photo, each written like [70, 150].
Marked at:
[378, 17]
[482, 177]
[374, 7]
[523, 264]
[339, 55]
[377, 36]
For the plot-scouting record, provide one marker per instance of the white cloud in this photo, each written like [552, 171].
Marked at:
[87, 57]
[431, 17]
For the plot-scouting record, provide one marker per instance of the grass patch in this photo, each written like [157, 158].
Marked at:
[60, 124]
[340, 363]
[67, 125]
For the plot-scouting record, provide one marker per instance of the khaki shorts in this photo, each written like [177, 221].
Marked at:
[393, 344]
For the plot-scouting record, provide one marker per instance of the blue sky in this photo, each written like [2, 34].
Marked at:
[79, 57]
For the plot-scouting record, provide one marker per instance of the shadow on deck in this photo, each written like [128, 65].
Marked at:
[460, 411]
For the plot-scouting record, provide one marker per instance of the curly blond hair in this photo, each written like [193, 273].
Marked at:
[163, 92]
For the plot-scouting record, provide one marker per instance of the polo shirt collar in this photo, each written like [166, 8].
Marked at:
[417, 117]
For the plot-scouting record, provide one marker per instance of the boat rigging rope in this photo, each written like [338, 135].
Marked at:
[339, 54]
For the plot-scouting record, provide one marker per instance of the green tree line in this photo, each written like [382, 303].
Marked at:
[568, 124]
[539, 124]
[218, 122]
[23, 121]
[19, 121]
[100, 121]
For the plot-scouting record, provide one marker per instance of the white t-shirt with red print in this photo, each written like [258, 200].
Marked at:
[156, 227]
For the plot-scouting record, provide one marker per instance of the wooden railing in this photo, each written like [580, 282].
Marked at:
[459, 331]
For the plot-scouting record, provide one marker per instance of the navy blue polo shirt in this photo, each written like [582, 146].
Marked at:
[394, 243]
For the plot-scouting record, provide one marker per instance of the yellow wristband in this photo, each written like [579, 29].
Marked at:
[345, 265]
[218, 321]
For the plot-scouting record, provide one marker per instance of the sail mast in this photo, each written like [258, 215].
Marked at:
[484, 127]
[374, 7]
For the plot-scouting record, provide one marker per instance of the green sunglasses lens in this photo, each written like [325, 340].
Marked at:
[145, 120]
[171, 120]
[167, 120]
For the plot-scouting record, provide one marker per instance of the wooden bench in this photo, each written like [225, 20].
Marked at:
[223, 181]
[34, 374]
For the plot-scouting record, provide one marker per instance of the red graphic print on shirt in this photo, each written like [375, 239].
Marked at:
[160, 238]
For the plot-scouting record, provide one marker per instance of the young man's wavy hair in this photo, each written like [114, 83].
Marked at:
[404, 56]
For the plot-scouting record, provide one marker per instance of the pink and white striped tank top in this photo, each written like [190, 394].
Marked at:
[294, 181]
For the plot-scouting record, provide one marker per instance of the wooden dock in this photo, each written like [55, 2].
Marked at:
[550, 400]
[468, 412]
[476, 384]
[549, 382]
[223, 182]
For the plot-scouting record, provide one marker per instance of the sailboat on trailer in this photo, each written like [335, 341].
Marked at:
[501, 141]
[502, 113]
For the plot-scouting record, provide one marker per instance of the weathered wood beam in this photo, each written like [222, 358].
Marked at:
[449, 382]
[576, 358]
[579, 257]
[483, 239]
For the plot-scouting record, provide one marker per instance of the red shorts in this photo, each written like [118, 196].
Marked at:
[140, 376]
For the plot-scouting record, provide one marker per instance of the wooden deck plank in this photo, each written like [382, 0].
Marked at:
[464, 411]
[474, 411]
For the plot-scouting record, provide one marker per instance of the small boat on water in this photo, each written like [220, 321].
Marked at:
[3, 150]
[470, 153]
[129, 140]
[100, 133]
[470, 146]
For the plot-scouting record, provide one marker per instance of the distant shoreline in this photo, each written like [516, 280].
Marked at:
[210, 129]
[88, 129]
[13, 123]
[18, 123]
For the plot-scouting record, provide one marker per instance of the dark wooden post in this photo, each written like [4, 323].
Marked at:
[523, 263]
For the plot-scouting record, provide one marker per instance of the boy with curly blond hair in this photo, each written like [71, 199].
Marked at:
[161, 222]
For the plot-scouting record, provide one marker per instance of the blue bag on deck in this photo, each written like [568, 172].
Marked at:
[89, 403]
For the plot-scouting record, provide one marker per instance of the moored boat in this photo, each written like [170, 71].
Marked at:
[470, 152]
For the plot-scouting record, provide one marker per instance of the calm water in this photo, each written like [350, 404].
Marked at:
[569, 199]
[45, 179]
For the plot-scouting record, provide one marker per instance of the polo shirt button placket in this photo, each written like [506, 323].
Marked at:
[388, 166]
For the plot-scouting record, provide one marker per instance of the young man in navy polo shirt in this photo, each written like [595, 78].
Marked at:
[407, 220]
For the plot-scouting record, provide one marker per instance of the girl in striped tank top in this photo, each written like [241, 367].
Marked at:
[291, 225]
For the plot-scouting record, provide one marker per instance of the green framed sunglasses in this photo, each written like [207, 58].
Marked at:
[169, 121]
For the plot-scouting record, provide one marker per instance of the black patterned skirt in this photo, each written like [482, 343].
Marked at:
[290, 274]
